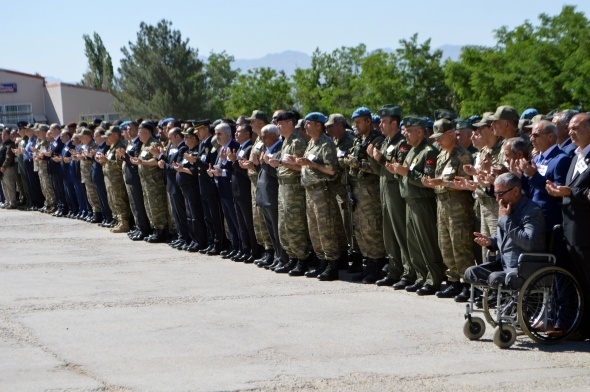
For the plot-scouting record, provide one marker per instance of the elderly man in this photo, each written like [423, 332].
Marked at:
[564, 141]
[521, 228]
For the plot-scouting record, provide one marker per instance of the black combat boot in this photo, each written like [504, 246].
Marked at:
[331, 271]
[301, 268]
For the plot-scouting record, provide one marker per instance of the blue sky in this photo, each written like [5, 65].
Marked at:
[46, 36]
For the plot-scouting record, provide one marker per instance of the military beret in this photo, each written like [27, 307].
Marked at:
[114, 129]
[375, 119]
[441, 126]
[389, 111]
[86, 132]
[97, 120]
[361, 112]
[429, 122]
[486, 119]
[506, 113]
[21, 124]
[258, 115]
[166, 121]
[445, 113]
[288, 115]
[529, 114]
[125, 124]
[415, 121]
[335, 118]
[316, 116]
[462, 123]
[147, 125]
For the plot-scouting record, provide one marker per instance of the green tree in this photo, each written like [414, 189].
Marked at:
[100, 66]
[261, 88]
[219, 78]
[160, 75]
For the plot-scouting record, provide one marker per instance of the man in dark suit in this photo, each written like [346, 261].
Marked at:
[267, 192]
[242, 194]
[222, 173]
[67, 175]
[564, 142]
[209, 195]
[576, 210]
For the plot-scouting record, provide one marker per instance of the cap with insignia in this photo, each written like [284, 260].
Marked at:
[335, 118]
[112, 130]
[288, 115]
[201, 123]
[190, 132]
[86, 132]
[21, 124]
[445, 113]
[43, 127]
[462, 123]
[506, 113]
[317, 117]
[258, 115]
[415, 121]
[441, 126]
[486, 120]
[361, 112]
[389, 111]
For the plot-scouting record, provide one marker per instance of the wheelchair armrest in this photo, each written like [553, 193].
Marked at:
[528, 263]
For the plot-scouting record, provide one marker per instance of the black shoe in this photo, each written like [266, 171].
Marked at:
[402, 284]
[229, 255]
[452, 290]
[413, 288]
[250, 260]
[314, 273]
[178, 244]
[331, 271]
[139, 236]
[207, 249]
[374, 271]
[290, 265]
[158, 236]
[300, 269]
[427, 289]
[492, 300]
[213, 252]
[387, 281]
[225, 252]
[194, 247]
[464, 295]
[43, 209]
[357, 264]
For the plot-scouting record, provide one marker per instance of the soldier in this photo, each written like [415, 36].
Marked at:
[152, 184]
[364, 180]
[115, 182]
[55, 172]
[64, 159]
[98, 178]
[400, 272]
[79, 188]
[339, 130]
[23, 188]
[505, 125]
[41, 148]
[293, 232]
[86, 160]
[420, 208]
[8, 169]
[463, 132]
[37, 198]
[319, 167]
[454, 207]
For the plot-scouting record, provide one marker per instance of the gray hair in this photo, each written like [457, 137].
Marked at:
[566, 116]
[509, 179]
[546, 127]
[223, 127]
[517, 144]
[270, 129]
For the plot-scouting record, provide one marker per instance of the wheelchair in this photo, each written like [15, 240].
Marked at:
[541, 300]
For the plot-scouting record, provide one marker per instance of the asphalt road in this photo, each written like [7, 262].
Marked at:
[82, 309]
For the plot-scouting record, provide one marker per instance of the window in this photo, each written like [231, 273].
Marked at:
[13, 113]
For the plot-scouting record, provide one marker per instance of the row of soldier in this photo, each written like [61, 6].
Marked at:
[394, 200]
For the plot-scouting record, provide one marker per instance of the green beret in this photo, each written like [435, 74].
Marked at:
[415, 121]
[389, 110]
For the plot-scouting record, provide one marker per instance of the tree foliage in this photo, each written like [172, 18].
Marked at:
[100, 66]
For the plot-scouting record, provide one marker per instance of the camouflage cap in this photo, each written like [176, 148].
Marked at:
[335, 118]
[86, 132]
[316, 116]
[506, 113]
[441, 126]
[43, 127]
[486, 120]
[462, 123]
[389, 111]
[445, 113]
[415, 121]
[535, 120]
[258, 115]
[112, 130]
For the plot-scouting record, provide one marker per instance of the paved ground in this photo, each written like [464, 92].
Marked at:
[82, 309]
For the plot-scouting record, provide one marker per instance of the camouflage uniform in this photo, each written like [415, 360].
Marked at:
[421, 215]
[292, 216]
[343, 145]
[262, 236]
[394, 211]
[488, 206]
[86, 174]
[152, 185]
[46, 188]
[115, 182]
[322, 210]
[454, 214]
[364, 180]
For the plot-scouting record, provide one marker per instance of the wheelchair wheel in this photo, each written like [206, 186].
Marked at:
[474, 328]
[505, 336]
[550, 305]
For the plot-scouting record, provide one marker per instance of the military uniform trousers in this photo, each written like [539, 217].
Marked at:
[135, 195]
[455, 232]
[91, 192]
[58, 186]
[323, 217]
[46, 186]
[101, 189]
[116, 190]
[178, 210]
[211, 211]
[367, 218]
[394, 231]
[343, 227]
[262, 236]
[22, 182]
[194, 213]
[9, 185]
[37, 199]
[154, 198]
[243, 207]
[292, 218]
[422, 240]
[488, 211]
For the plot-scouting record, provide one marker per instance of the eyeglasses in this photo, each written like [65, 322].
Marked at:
[500, 194]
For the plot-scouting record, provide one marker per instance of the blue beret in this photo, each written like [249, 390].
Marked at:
[316, 116]
[361, 112]
[529, 114]
[375, 119]
[21, 124]
[97, 120]
[124, 124]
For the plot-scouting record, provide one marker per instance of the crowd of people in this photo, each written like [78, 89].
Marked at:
[397, 201]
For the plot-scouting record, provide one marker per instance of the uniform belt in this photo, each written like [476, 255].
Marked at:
[289, 180]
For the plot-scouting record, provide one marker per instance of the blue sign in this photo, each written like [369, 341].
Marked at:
[8, 88]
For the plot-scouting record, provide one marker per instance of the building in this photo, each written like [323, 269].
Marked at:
[26, 97]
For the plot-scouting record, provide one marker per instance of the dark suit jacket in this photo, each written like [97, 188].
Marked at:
[557, 163]
[225, 183]
[569, 148]
[173, 154]
[131, 171]
[240, 182]
[56, 147]
[267, 187]
[576, 208]
[66, 168]
[206, 156]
